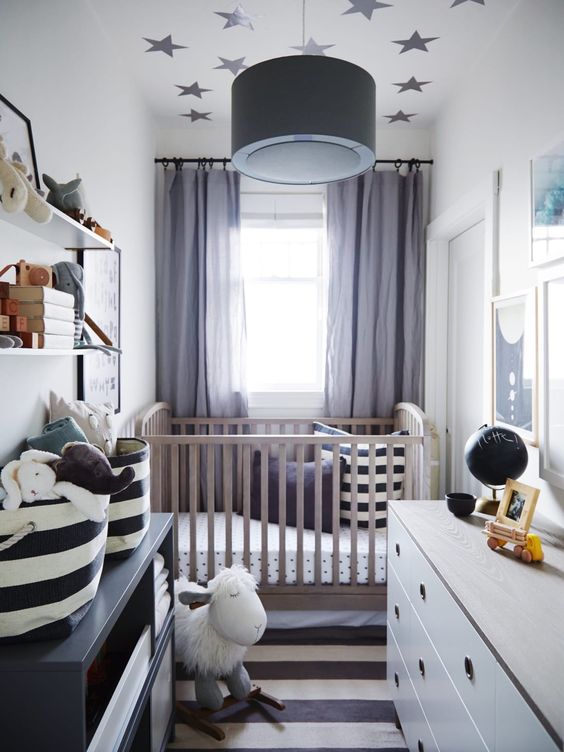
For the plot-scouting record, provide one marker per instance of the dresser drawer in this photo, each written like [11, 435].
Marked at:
[400, 549]
[418, 735]
[468, 661]
[399, 609]
[448, 718]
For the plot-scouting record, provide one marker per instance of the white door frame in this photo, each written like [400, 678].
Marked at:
[479, 205]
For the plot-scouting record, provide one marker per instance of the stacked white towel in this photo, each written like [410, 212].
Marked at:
[162, 596]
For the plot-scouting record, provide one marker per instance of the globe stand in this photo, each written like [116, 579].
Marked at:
[488, 505]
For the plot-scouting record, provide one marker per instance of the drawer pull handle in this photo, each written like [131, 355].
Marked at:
[422, 591]
[396, 611]
[396, 679]
[420, 747]
[468, 668]
[421, 667]
[397, 549]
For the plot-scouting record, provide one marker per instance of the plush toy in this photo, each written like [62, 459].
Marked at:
[63, 196]
[87, 466]
[212, 640]
[18, 194]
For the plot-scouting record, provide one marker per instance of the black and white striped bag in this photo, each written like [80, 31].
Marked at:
[51, 559]
[381, 491]
[130, 510]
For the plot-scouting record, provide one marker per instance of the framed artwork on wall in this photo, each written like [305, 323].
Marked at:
[15, 129]
[547, 206]
[551, 373]
[514, 328]
[98, 373]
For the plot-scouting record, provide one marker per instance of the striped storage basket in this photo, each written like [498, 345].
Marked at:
[130, 510]
[381, 491]
[51, 560]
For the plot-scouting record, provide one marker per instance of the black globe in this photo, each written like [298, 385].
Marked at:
[494, 453]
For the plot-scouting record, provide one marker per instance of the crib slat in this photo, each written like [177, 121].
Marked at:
[246, 505]
[409, 492]
[183, 473]
[335, 511]
[238, 506]
[194, 463]
[318, 482]
[210, 502]
[282, 515]
[264, 512]
[371, 514]
[228, 501]
[174, 502]
[300, 453]
[354, 513]
[390, 470]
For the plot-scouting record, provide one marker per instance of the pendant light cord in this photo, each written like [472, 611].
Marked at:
[303, 22]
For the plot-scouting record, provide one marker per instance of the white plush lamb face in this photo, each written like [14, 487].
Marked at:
[235, 610]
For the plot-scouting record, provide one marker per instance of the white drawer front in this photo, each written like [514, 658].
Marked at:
[468, 660]
[417, 733]
[517, 727]
[161, 700]
[400, 548]
[120, 707]
[399, 609]
[448, 718]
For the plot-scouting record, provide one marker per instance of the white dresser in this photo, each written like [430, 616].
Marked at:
[475, 637]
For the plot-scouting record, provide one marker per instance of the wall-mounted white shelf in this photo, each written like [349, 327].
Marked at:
[61, 230]
[42, 351]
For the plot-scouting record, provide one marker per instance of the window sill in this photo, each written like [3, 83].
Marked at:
[301, 404]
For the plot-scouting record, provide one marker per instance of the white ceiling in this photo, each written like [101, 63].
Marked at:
[364, 32]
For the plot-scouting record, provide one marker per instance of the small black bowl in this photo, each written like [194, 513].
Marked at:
[460, 504]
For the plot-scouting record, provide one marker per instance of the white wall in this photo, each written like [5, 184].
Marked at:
[58, 69]
[507, 109]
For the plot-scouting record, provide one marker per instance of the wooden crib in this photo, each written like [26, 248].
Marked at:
[216, 474]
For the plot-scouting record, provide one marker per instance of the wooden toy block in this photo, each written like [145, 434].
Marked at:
[18, 323]
[9, 307]
[30, 339]
[4, 323]
[4, 290]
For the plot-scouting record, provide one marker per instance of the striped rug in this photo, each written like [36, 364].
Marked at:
[333, 684]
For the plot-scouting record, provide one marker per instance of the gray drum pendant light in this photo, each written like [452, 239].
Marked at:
[303, 119]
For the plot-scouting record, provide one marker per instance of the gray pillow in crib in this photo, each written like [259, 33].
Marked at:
[291, 496]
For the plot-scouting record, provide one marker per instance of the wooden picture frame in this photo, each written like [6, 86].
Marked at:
[547, 205]
[517, 505]
[99, 374]
[514, 363]
[15, 129]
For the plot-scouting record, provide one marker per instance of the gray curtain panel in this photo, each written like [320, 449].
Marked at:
[201, 333]
[376, 289]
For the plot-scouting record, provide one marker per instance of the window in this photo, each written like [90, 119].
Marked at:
[285, 296]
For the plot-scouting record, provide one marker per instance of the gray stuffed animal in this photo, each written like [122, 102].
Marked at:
[64, 196]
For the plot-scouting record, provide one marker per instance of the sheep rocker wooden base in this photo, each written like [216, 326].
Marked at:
[212, 637]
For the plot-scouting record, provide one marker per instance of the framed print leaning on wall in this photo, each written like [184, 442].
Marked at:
[551, 381]
[515, 363]
[547, 206]
[15, 129]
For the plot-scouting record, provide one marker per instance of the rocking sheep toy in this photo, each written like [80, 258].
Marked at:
[212, 637]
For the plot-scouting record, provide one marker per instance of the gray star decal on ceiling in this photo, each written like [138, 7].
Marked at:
[195, 115]
[411, 85]
[366, 7]
[415, 42]
[231, 65]
[400, 116]
[193, 89]
[165, 45]
[459, 2]
[237, 18]
[312, 48]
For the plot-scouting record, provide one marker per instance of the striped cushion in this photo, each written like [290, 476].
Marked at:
[381, 491]
[50, 577]
[130, 510]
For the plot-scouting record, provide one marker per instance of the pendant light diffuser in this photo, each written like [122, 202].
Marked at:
[303, 119]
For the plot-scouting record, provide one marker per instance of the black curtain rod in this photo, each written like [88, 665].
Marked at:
[204, 162]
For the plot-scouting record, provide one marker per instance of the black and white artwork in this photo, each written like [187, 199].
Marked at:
[547, 181]
[15, 129]
[98, 373]
[515, 363]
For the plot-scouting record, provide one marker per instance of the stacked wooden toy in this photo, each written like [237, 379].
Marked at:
[41, 316]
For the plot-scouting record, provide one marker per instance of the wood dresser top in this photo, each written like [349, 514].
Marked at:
[517, 608]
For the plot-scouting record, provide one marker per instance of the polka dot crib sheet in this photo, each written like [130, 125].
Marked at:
[237, 522]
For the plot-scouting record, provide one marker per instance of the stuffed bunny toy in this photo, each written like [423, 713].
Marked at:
[17, 192]
[32, 478]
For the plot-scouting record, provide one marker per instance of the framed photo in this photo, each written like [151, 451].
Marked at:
[547, 206]
[514, 327]
[551, 373]
[517, 505]
[98, 373]
[15, 129]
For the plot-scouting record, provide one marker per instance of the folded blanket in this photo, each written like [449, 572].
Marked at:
[162, 577]
[158, 564]
[161, 611]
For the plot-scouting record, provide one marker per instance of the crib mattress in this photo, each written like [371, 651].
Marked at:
[273, 550]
